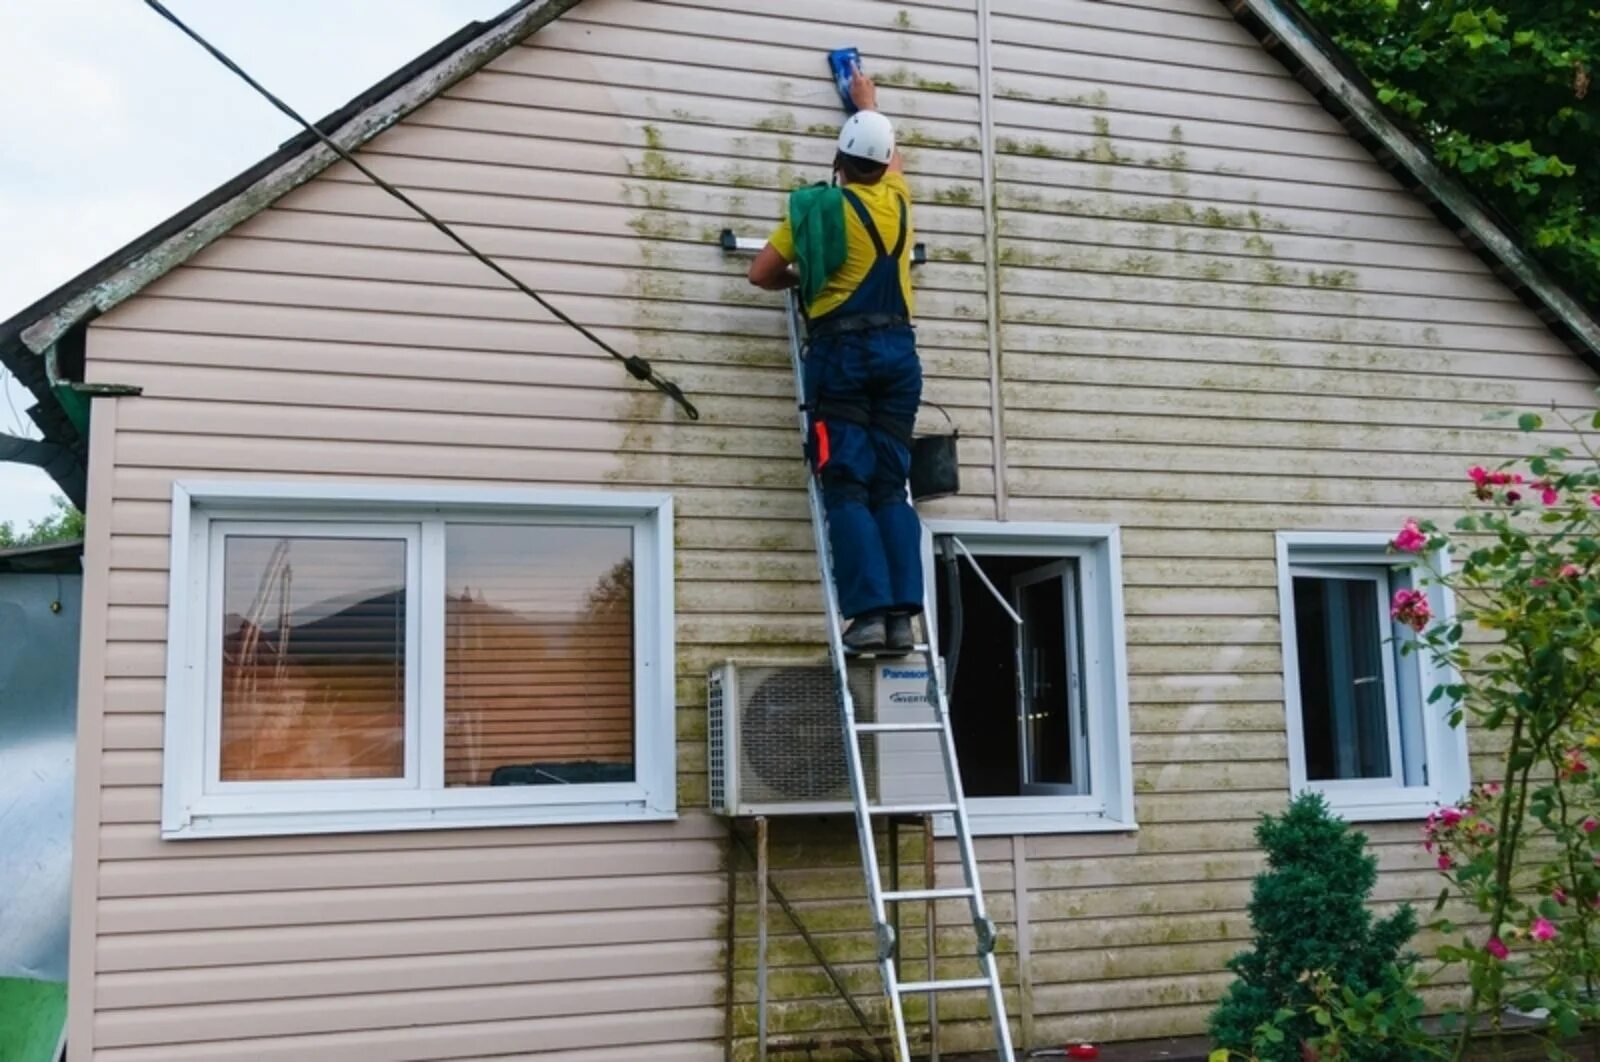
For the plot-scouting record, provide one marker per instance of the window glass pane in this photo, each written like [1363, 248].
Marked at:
[313, 658]
[538, 655]
[1342, 694]
[1047, 715]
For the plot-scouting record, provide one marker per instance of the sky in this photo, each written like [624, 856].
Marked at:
[111, 120]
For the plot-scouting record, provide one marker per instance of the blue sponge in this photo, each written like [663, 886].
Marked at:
[844, 63]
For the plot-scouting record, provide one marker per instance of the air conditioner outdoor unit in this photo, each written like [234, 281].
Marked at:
[777, 747]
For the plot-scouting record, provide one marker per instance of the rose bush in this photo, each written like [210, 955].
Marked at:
[1524, 647]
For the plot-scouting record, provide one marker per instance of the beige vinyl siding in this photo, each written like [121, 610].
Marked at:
[1218, 318]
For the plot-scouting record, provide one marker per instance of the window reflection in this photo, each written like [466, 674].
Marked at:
[313, 655]
[538, 655]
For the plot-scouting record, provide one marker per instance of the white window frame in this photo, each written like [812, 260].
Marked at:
[1097, 549]
[195, 803]
[1322, 554]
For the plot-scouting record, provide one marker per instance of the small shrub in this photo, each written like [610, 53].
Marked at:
[1315, 941]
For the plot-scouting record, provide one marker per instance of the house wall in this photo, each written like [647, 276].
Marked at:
[1192, 304]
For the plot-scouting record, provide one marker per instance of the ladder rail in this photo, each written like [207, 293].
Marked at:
[969, 857]
[858, 788]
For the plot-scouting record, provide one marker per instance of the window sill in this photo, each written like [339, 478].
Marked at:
[296, 823]
[1002, 823]
[1400, 807]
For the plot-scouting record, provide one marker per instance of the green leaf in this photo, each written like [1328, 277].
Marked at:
[1530, 422]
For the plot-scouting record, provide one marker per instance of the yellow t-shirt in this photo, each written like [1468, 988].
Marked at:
[882, 201]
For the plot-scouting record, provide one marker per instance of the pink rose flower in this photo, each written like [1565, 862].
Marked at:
[1547, 494]
[1445, 862]
[1491, 789]
[1410, 539]
[1496, 948]
[1594, 499]
[1411, 608]
[1575, 764]
[1513, 496]
[1590, 825]
[1538, 583]
[1559, 895]
[1479, 475]
[1542, 930]
[1570, 571]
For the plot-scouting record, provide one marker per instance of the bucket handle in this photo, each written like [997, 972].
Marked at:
[954, 431]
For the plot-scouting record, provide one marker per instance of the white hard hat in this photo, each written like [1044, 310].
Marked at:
[868, 135]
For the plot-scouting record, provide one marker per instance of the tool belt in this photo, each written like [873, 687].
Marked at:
[856, 322]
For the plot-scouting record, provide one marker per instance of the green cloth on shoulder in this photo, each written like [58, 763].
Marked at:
[816, 215]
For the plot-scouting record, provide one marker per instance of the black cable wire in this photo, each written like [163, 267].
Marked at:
[637, 367]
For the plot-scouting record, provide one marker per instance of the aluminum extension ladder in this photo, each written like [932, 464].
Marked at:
[987, 978]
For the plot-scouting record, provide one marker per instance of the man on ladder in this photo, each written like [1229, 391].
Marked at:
[849, 248]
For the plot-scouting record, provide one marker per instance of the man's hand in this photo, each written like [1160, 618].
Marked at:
[770, 272]
[863, 93]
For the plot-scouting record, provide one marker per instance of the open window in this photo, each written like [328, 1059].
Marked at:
[1360, 728]
[1028, 621]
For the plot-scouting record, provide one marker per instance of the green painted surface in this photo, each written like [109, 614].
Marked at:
[32, 1014]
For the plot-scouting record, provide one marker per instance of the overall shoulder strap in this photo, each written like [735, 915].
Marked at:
[866, 222]
[900, 243]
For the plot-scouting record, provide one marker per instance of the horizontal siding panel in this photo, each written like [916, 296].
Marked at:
[1215, 244]
[815, 31]
[785, 79]
[553, 1037]
[416, 937]
[402, 903]
[1131, 87]
[1025, 172]
[298, 1018]
[286, 981]
[1094, 36]
[1151, 201]
[347, 869]
[1269, 290]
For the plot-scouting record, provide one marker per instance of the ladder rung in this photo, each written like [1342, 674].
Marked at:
[907, 895]
[911, 809]
[961, 984]
[898, 728]
[891, 654]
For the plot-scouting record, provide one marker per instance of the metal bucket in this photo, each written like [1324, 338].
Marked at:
[935, 467]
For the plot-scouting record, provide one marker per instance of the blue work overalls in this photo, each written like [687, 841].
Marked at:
[863, 382]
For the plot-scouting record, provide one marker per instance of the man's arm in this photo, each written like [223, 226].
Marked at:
[771, 271]
[864, 94]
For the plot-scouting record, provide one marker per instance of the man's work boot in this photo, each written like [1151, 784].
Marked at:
[866, 635]
[899, 638]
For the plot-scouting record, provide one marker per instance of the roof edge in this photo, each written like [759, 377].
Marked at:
[1289, 23]
[300, 159]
